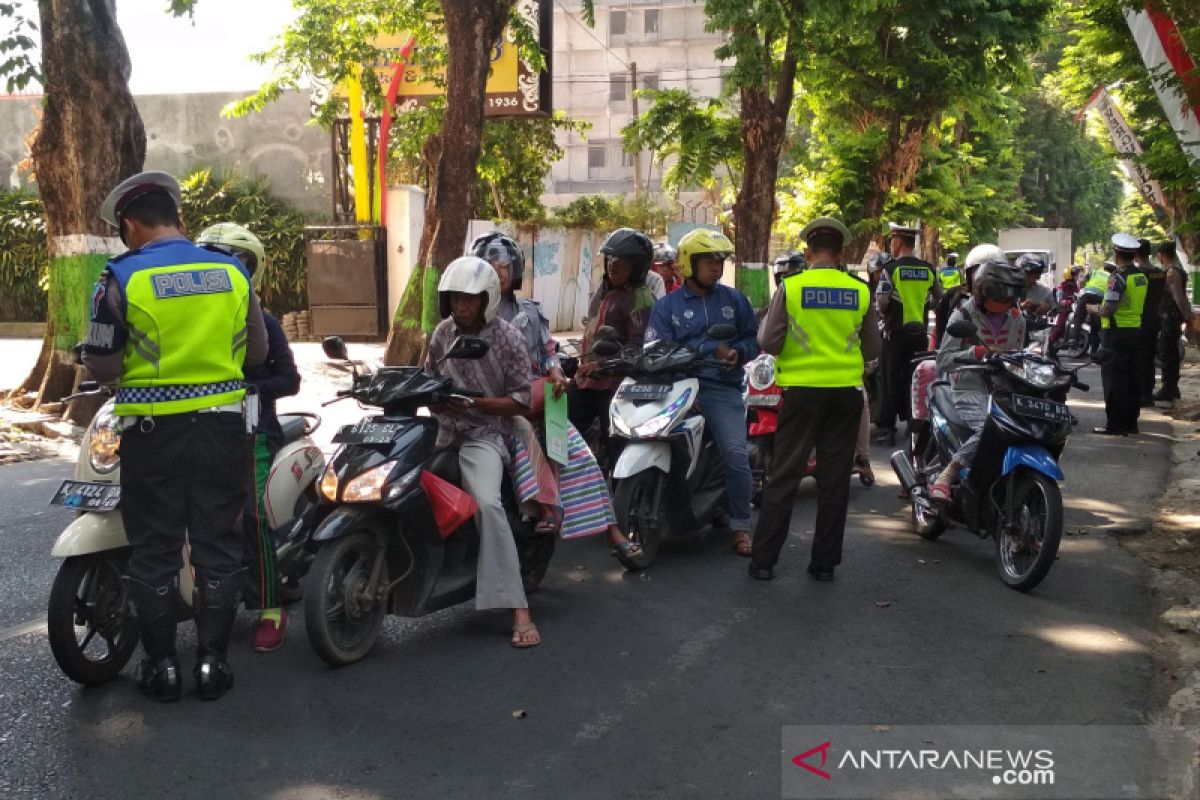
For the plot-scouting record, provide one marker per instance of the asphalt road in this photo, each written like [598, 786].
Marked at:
[673, 683]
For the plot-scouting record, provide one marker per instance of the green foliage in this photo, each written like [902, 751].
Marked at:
[24, 261]
[1103, 52]
[1135, 216]
[1069, 180]
[210, 197]
[17, 65]
[605, 213]
[701, 135]
[514, 158]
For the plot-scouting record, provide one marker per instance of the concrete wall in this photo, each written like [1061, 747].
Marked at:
[187, 130]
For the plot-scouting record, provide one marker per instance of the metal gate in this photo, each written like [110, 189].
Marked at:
[347, 281]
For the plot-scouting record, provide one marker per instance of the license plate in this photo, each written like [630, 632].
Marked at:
[1040, 408]
[769, 400]
[87, 496]
[638, 392]
[369, 433]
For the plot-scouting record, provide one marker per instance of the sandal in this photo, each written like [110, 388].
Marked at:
[940, 492]
[626, 549]
[866, 475]
[743, 543]
[548, 526]
[521, 632]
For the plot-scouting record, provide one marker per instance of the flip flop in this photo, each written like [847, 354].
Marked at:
[519, 631]
[625, 549]
[866, 475]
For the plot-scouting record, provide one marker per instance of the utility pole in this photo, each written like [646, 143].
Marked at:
[633, 110]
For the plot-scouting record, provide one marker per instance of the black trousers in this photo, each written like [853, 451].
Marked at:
[896, 369]
[825, 420]
[188, 476]
[585, 406]
[1148, 347]
[1168, 353]
[1122, 394]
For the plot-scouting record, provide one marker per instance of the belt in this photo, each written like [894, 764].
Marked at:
[164, 394]
[228, 408]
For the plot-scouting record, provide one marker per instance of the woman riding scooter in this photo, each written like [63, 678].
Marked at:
[996, 291]
[573, 498]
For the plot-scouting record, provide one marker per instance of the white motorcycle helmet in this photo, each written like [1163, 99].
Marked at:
[981, 253]
[234, 240]
[470, 275]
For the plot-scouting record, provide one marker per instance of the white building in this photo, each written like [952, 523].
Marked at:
[667, 43]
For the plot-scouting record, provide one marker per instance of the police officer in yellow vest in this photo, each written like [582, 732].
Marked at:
[950, 275]
[905, 291]
[1120, 336]
[172, 324]
[822, 328]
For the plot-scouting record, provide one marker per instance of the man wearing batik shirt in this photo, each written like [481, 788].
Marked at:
[469, 294]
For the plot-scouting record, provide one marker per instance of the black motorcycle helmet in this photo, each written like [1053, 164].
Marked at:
[788, 264]
[995, 280]
[1031, 262]
[952, 260]
[497, 246]
[633, 246]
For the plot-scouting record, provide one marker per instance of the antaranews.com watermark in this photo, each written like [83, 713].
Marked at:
[1008, 762]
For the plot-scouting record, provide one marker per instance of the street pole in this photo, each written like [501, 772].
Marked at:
[633, 110]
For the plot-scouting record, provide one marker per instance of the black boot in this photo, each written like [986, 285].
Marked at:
[158, 675]
[216, 601]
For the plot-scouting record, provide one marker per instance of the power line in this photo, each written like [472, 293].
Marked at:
[588, 31]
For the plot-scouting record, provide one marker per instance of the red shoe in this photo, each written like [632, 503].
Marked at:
[269, 636]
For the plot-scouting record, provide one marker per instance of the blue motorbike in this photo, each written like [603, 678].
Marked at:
[1011, 491]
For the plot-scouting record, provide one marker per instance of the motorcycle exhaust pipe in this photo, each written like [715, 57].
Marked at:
[904, 471]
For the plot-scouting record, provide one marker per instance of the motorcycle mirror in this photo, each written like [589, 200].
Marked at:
[470, 348]
[606, 348]
[962, 329]
[608, 332]
[335, 347]
[722, 332]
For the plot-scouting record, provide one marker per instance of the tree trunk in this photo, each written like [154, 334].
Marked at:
[895, 169]
[764, 129]
[90, 138]
[450, 155]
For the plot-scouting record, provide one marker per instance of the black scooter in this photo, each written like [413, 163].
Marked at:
[1011, 492]
[380, 549]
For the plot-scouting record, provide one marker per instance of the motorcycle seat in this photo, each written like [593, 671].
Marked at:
[444, 464]
[943, 398]
[293, 427]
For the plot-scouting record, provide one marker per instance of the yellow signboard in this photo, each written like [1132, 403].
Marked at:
[418, 82]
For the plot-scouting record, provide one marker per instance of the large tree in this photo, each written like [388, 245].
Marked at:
[89, 138]
[471, 26]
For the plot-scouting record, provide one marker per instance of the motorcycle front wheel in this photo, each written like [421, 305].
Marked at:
[1026, 548]
[927, 521]
[634, 507]
[91, 628]
[341, 619]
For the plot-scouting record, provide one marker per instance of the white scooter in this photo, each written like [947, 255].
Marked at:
[90, 623]
[669, 476]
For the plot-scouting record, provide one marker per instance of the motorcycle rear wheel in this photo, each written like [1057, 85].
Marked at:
[91, 628]
[634, 507]
[1024, 560]
[343, 627]
[927, 522]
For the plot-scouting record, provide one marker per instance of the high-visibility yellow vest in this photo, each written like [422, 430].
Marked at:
[825, 309]
[950, 277]
[913, 282]
[1133, 299]
[1097, 282]
[187, 330]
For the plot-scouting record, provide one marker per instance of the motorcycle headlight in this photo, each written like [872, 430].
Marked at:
[104, 443]
[368, 487]
[761, 372]
[329, 484]
[1040, 375]
[653, 426]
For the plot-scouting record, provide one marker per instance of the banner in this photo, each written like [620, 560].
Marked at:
[1129, 149]
[1166, 57]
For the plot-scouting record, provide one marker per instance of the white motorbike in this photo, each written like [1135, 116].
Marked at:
[669, 476]
[89, 621]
